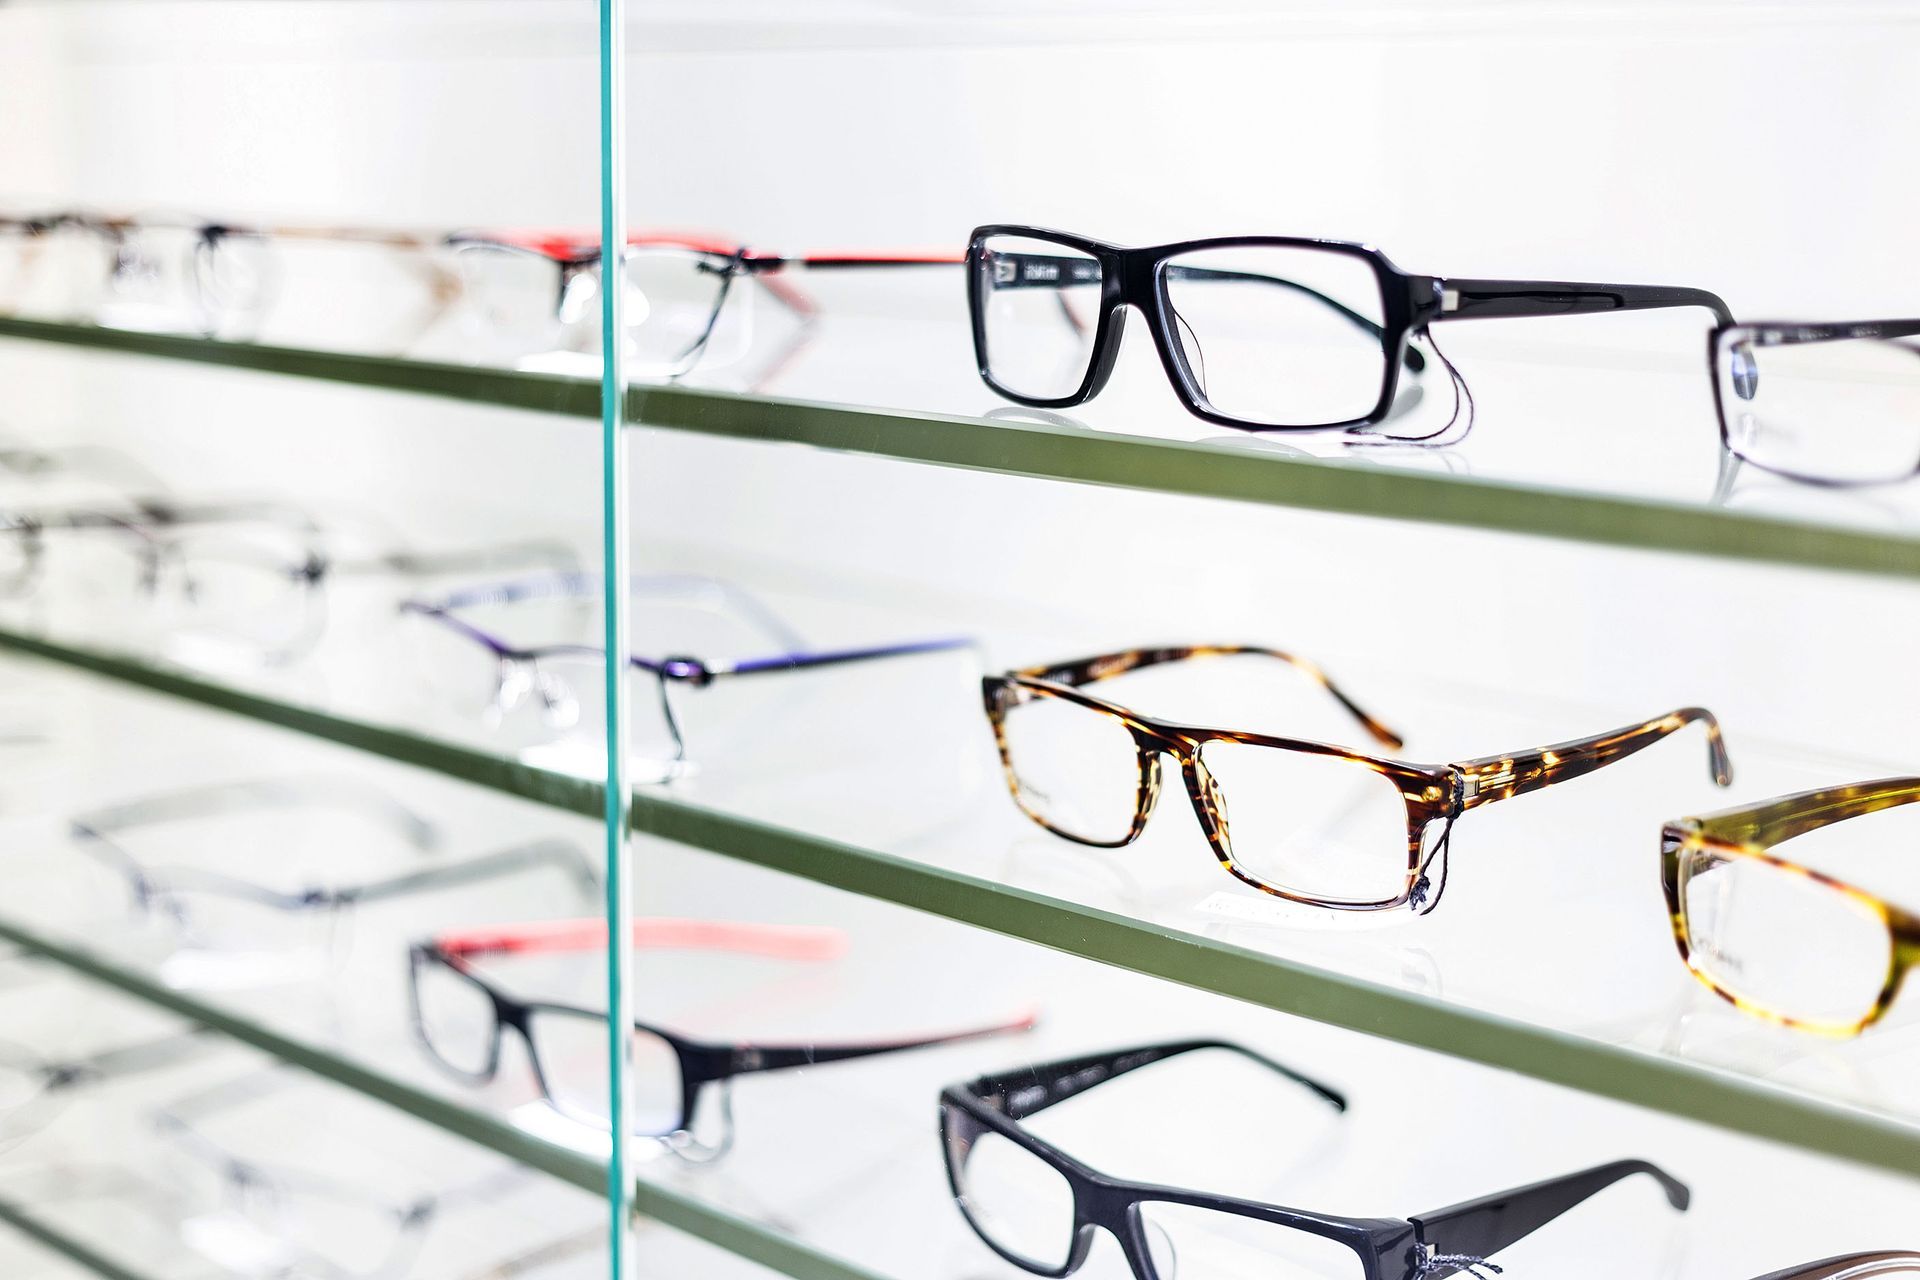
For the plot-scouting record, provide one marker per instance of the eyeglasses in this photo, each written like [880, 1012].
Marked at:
[1852, 1266]
[1038, 1207]
[35, 1088]
[460, 1018]
[90, 467]
[1307, 821]
[243, 924]
[1831, 404]
[252, 573]
[280, 1220]
[1262, 333]
[58, 264]
[535, 291]
[1780, 940]
[486, 674]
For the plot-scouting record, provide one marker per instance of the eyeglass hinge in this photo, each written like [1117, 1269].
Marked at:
[1473, 784]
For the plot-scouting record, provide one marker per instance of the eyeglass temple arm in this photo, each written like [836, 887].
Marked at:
[1086, 671]
[1777, 821]
[147, 1055]
[1053, 272]
[1462, 299]
[553, 555]
[699, 672]
[1493, 778]
[563, 854]
[581, 586]
[225, 1095]
[229, 797]
[1028, 1090]
[1481, 1227]
[771, 265]
[780, 942]
[858, 260]
[1848, 1266]
[747, 1058]
[1786, 334]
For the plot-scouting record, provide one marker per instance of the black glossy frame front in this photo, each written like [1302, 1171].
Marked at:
[1450, 1241]
[1409, 303]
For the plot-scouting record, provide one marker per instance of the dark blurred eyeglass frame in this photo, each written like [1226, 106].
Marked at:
[1455, 1240]
[1751, 832]
[1136, 278]
[701, 1063]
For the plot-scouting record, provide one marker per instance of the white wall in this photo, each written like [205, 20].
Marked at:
[1757, 150]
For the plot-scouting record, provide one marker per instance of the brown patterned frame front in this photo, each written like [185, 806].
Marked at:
[1435, 795]
[1751, 832]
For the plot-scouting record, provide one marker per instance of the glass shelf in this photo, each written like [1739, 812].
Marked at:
[835, 1171]
[76, 1251]
[731, 1232]
[1789, 525]
[1633, 1028]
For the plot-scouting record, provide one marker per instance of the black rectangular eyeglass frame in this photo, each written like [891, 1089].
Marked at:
[1454, 1240]
[701, 1062]
[1136, 277]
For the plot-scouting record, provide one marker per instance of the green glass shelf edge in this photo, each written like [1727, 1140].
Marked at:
[1691, 1091]
[1069, 454]
[676, 1209]
[58, 1242]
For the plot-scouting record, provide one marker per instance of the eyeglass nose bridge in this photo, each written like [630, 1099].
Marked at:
[1209, 802]
[1130, 281]
[1150, 747]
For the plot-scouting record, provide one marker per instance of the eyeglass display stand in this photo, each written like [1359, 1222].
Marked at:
[1120, 953]
[1700, 1090]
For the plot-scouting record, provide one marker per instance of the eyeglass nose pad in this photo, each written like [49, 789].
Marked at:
[1107, 354]
[577, 296]
[1160, 1251]
[1210, 802]
[1149, 783]
[1743, 370]
[510, 689]
[715, 1139]
[558, 702]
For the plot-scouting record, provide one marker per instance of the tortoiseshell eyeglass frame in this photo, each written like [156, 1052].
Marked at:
[1752, 831]
[1434, 794]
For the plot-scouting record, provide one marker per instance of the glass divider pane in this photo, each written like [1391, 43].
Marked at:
[613, 479]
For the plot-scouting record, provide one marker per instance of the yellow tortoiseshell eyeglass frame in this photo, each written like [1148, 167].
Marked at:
[1752, 832]
[1434, 795]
